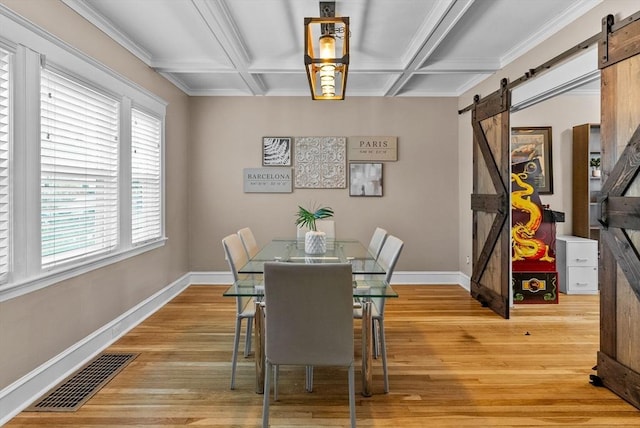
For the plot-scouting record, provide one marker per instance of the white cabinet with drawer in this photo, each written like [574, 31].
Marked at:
[577, 264]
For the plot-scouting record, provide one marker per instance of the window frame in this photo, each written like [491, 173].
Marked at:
[33, 48]
[73, 89]
[161, 169]
[5, 276]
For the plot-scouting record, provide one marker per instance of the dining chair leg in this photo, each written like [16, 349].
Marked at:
[234, 358]
[375, 334]
[352, 396]
[247, 340]
[309, 378]
[265, 398]
[276, 376]
[383, 351]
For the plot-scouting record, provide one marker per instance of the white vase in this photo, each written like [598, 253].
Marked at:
[315, 242]
[595, 172]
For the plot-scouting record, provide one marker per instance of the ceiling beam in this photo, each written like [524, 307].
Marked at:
[448, 13]
[85, 10]
[220, 24]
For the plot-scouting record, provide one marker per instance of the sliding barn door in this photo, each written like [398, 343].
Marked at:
[490, 283]
[619, 355]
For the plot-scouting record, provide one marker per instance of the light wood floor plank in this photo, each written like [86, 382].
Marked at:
[452, 364]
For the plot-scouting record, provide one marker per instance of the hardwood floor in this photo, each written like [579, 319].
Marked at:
[452, 363]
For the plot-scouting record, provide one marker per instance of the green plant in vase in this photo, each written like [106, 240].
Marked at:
[595, 167]
[314, 242]
[307, 218]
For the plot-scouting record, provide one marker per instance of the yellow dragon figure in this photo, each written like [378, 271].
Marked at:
[525, 245]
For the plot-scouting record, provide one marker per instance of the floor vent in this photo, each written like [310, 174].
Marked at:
[73, 392]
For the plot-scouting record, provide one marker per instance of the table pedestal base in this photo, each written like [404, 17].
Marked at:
[367, 349]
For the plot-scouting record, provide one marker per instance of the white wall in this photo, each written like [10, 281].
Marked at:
[36, 327]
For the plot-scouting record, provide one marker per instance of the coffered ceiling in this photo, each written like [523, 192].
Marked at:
[398, 47]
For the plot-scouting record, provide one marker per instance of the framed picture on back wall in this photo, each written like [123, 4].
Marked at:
[365, 179]
[276, 151]
[534, 143]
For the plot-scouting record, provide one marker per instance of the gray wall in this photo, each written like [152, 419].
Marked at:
[562, 113]
[209, 141]
[565, 38]
[37, 326]
[419, 204]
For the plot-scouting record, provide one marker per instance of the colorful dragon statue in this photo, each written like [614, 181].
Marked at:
[525, 245]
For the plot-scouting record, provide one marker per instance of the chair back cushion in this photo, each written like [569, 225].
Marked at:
[249, 241]
[389, 255]
[328, 227]
[235, 253]
[377, 240]
[309, 313]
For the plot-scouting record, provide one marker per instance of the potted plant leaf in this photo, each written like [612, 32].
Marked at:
[315, 242]
[595, 167]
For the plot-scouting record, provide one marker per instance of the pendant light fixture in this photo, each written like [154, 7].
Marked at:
[327, 74]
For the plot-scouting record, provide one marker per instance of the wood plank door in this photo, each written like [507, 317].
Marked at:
[619, 202]
[490, 283]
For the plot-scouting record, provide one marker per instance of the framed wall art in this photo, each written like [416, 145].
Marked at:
[365, 179]
[373, 149]
[320, 162]
[276, 151]
[530, 143]
[267, 180]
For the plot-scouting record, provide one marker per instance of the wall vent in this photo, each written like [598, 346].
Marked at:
[70, 394]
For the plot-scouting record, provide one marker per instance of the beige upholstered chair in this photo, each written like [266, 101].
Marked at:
[326, 226]
[309, 320]
[245, 309]
[388, 257]
[249, 242]
[377, 240]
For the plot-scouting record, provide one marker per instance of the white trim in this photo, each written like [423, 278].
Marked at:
[19, 395]
[407, 277]
[90, 14]
[15, 27]
[213, 278]
[36, 45]
[554, 25]
[20, 288]
[575, 72]
[465, 281]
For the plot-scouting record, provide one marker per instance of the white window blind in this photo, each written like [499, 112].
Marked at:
[146, 190]
[79, 170]
[5, 113]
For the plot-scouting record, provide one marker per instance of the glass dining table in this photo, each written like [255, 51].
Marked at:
[369, 282]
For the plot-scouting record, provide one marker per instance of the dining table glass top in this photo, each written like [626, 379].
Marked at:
[369, 286]
[338, 251]
[369, 276]
[253, 286]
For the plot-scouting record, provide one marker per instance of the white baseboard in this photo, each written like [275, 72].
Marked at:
[427, 278]
[20, 394]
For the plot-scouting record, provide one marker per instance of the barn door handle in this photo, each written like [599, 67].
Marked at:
[603, 202]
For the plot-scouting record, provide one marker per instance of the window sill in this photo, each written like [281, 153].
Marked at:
[16, 289]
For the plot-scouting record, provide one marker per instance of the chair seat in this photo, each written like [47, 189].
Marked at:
[357, 311]
[248, 311]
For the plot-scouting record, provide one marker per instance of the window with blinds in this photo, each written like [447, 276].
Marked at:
[5, 197]
[79, 170]
[146, 190]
